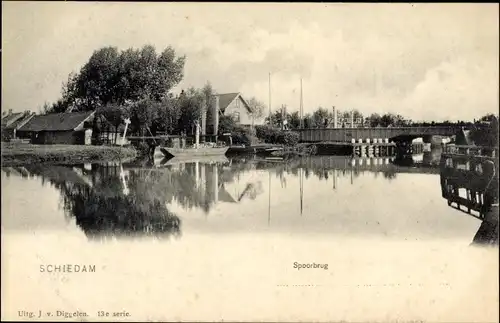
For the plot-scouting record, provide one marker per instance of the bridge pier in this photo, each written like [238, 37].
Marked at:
[374, 148]
[404, 147]
[427, 139]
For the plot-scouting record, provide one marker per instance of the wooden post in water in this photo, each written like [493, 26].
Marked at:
[196, 174]
[215, 182]
[269, 204]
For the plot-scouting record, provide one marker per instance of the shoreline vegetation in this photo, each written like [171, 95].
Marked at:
[15, 154]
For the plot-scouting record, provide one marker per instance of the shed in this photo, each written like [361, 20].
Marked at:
[59, 128]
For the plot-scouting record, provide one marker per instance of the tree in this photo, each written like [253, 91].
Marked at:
[168, 115]
[485, 133]
[294, 120]
[191, 104]
[257, 107]
[208, 100]
[320, 118]
[132, 75]
[142, 115]
[276, 118]
[308, 121]
[226, 124]
[374, 120]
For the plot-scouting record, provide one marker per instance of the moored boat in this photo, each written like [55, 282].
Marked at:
[170, 152]
[253, 149]
[197, 150]
[221, 159]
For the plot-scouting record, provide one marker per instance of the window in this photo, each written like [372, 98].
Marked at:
[236, 116]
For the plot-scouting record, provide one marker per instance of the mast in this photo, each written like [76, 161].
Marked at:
[301, 109]
[270, 119]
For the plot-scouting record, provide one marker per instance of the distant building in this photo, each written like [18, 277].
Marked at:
[59, 128]
[234, 106]
[11, 122]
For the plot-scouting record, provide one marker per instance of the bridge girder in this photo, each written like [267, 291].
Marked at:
[347, 134]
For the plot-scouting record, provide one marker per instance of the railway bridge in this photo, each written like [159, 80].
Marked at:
[391, 134]
[373, 138]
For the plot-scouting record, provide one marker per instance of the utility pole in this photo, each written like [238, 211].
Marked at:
[270, 116]
[301, 108]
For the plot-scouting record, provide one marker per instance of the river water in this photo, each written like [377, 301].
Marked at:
[213, 240]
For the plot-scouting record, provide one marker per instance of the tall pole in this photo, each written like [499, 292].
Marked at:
[270, 119]
[301, 107]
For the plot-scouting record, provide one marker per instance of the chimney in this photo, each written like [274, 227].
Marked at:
[215, 114]
[352, 119]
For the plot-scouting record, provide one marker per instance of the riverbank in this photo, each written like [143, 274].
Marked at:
[20, 154]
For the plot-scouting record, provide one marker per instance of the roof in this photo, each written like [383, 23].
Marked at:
[20, 121]
[56, 121]
[10, 118]
[227, 98]
[224, 195]
[57, 174]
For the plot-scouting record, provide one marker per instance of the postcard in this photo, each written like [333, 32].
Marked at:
[249, 162]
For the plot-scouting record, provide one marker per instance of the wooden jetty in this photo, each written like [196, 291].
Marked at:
[469, 182]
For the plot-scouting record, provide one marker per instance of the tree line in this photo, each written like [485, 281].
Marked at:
[323, 118]
[137, 84]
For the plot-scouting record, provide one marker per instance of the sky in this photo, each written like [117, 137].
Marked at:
[423, 61]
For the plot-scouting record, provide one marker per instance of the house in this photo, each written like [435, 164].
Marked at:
[11, 122]
[232, 105]
[59, 128]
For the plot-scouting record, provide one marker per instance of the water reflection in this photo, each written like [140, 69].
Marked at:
[429, 158]
[102, 204]
[150, 199]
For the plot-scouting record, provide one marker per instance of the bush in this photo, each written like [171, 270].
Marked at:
[277, 136]
[290, 138]
[243, 136]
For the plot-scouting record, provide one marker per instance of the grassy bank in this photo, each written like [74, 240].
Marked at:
[19, 154]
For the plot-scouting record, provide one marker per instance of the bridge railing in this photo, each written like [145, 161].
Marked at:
[347, 134]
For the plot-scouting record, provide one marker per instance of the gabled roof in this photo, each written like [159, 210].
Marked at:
[56, 121]
[227, 98]
[224, 195]
[10, 118]
[20, 121]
